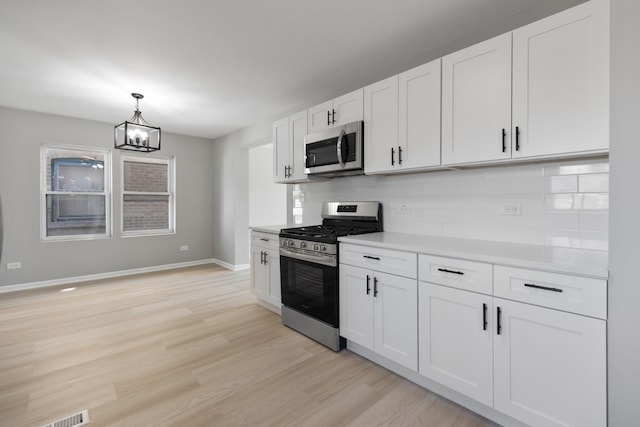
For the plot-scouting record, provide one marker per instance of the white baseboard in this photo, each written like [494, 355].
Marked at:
[111, 274]
[234, 267]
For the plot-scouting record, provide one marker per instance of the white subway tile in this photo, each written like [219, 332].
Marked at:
[594, 221]
[594, 183]
[562, 184]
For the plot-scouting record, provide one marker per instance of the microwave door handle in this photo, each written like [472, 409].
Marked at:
[339, 147]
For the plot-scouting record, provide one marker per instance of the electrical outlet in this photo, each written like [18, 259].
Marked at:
[511, 209]
[403, 209]
[14, 265]
[184, 247]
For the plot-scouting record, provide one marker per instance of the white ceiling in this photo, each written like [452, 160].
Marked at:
[208, 67]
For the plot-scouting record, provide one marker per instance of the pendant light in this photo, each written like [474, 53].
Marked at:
[136, 134]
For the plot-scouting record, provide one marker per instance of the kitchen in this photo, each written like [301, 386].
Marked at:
[232, 247]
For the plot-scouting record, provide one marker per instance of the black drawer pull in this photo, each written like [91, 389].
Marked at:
[444, 270]
[371, 257]
[264, 240]
[545, 288]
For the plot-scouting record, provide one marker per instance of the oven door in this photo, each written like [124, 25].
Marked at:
[310, 287]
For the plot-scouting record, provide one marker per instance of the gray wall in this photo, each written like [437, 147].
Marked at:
[624, 232]
[231, 192]
[21, 136]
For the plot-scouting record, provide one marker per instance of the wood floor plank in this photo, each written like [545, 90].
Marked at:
[189, 347]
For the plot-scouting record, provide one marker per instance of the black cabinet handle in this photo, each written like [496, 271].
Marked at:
[499, 329]
[264, 240]
[371, 257]
[399, 155]
[375, 286]
[444, 270]
[504, 140]
[261, 257]
[328, 118]
[333, 116]
[484, 316]
[368, 286]
[517, 138]
[393, 153]
[545, 288]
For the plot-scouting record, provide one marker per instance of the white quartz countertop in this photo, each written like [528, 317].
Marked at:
[559, 260]
[273, 229]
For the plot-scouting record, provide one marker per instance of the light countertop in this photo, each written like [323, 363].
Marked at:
[547, 258]
[272, 229]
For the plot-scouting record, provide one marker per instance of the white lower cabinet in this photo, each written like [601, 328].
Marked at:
[265, 269]
[529, 344]
[456, 342]
[379, 311]
[549, 366]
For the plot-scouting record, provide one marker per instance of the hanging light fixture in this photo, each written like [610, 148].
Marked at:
[136, 134]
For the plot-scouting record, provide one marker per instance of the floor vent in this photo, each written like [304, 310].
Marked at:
[75, 420]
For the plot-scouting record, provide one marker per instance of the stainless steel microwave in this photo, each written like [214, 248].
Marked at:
[336, 151]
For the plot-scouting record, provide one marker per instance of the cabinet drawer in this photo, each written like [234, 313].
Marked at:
[457, 273]
[574, 294]
[265, 240]
[384, 260]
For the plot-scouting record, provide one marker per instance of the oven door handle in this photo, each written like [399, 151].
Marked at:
[339, 147]
[323, 260]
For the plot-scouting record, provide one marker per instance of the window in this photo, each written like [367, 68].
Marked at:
[75, 184]
[147, 195]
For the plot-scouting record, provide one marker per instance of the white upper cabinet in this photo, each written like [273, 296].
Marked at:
[402, 121]
[381, 125]
[541, 91]
[561, 82]
[281, 150]
[288, 152]
[339, 111]
[476, 102]
[419, 116]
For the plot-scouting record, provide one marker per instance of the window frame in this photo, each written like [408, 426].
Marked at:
[171, 193]
[45, 178]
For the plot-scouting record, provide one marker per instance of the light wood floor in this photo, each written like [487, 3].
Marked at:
[189, 347]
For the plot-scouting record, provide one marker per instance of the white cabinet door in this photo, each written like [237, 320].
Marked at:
[550, 366]
[381, 126]
[272, 288]
[456, 341]
[419, 116]
[319, 117]
[297, 132]
[339, 111]
[476, 102]
[259, 276]
[281, 153]
[356, 305]
[561, 82]
[396, 318]
[348, 108]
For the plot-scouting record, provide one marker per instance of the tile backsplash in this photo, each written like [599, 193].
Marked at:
[559, 203]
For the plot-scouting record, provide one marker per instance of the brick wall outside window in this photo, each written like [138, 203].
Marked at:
[142, 209]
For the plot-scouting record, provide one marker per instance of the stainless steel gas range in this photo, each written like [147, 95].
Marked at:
[309, 268]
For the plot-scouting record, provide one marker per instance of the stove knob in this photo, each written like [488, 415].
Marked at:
[323, 247]
[292, 243]
[316, 247]
[303, 244]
